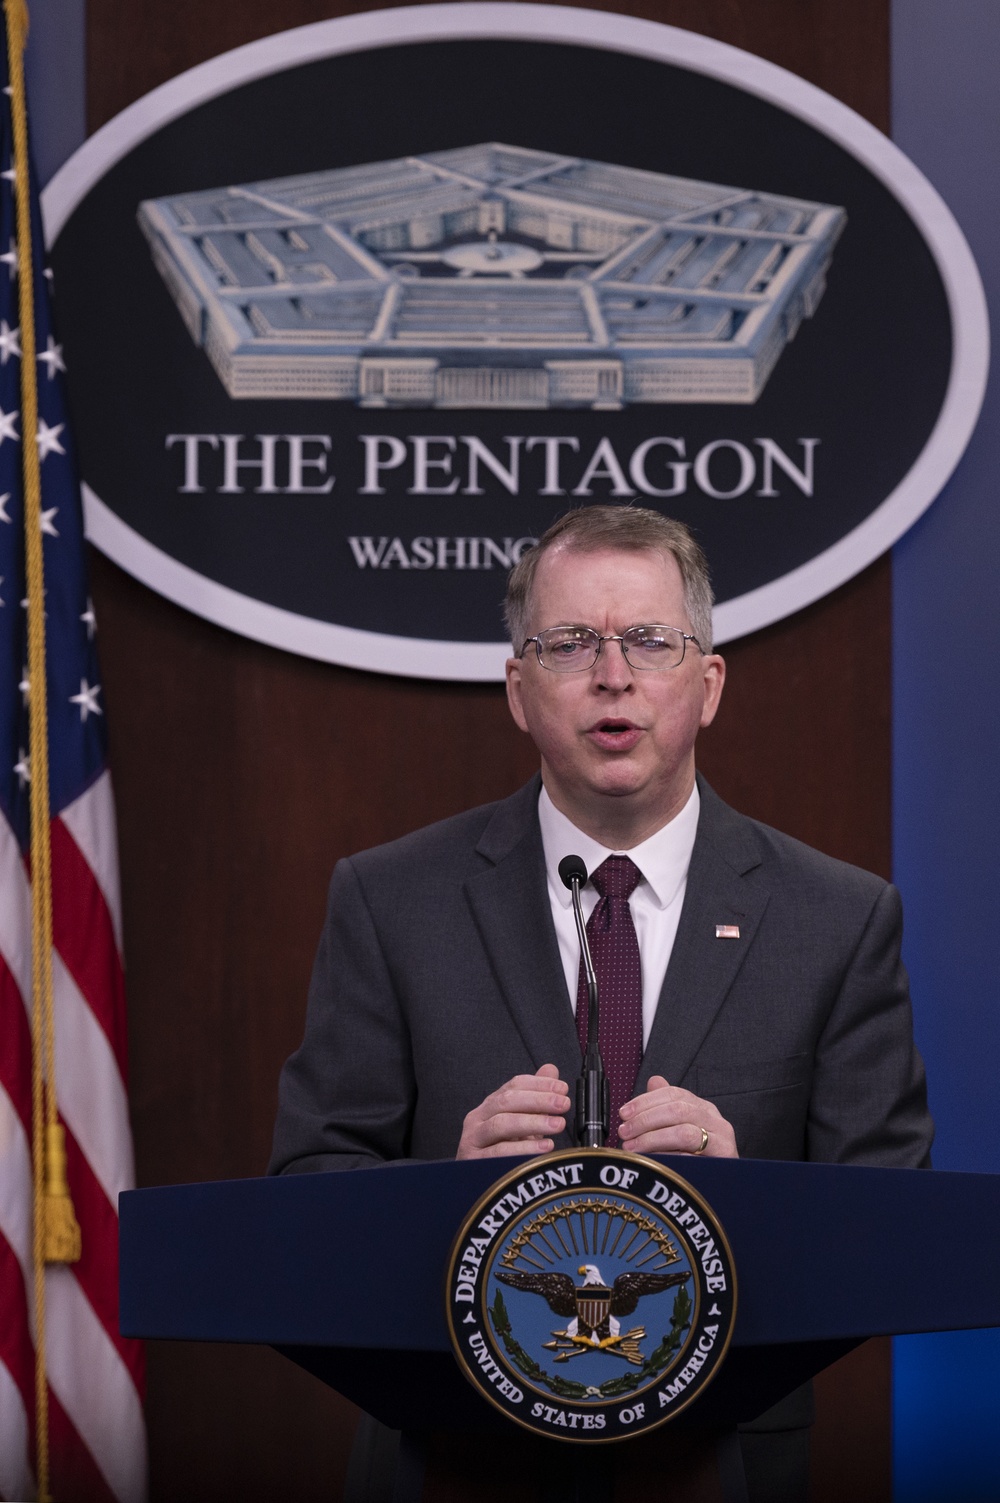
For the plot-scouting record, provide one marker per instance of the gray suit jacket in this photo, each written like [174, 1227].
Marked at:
[438, 977]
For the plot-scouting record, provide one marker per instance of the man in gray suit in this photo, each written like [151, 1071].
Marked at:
[769, 1013]
[775, 1010]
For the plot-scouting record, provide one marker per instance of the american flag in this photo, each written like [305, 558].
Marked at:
[95, 1377]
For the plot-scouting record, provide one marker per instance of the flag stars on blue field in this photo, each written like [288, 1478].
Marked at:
[51, 357]
[48, 439]
[74, 693]
[10, 342]
[72, 687]
[87, 699]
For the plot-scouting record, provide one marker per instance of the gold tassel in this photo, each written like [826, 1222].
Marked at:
[62, 1230]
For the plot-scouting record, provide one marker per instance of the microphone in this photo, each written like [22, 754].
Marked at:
[593, 1104]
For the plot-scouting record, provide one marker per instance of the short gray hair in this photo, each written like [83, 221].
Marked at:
[631, 529]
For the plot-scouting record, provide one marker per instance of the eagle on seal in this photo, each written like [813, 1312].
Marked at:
[594, 1306]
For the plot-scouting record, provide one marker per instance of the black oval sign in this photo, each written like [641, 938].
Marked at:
[352, 314]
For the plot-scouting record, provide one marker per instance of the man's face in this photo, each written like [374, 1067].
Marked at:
[613, 733]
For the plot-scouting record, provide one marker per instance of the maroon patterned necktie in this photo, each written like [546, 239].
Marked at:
[615, 951]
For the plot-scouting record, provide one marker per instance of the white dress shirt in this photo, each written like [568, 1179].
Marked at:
[656, 903]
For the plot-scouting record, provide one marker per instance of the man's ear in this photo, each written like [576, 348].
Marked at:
[514, 669]
[714, 669]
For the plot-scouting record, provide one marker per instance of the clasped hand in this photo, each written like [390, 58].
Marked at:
[526, 1113]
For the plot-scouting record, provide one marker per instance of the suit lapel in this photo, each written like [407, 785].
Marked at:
[724, 886]
[510, 905]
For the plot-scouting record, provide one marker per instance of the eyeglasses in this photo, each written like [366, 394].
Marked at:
[574, 649]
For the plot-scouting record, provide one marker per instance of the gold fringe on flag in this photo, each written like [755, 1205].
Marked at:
[56, 1232]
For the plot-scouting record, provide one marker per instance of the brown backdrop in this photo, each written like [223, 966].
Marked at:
[243, 773]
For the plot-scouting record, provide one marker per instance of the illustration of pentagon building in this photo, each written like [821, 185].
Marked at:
[492, 276]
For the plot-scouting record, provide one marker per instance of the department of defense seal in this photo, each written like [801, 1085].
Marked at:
[591, 1294]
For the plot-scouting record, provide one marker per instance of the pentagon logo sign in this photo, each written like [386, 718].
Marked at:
[492, 276]
[336, 365]
[591, 1295]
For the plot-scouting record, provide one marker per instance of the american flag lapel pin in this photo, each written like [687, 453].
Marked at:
[727, 931]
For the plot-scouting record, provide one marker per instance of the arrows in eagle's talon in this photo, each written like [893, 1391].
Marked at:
[576, 1351]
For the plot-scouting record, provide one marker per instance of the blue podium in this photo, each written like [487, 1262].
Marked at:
[344, 1273]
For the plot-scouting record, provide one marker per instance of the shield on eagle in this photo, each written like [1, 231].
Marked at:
[593, 1306]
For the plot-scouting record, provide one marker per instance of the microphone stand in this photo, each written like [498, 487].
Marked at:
[593, 1104]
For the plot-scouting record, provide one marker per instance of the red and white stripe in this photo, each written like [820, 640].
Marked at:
[96, 1427]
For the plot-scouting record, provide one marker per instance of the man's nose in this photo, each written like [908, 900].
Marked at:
[612, 670]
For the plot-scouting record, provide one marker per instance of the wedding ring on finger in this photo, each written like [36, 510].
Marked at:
[704, 1141]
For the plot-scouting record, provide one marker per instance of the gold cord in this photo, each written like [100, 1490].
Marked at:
[56, 1234]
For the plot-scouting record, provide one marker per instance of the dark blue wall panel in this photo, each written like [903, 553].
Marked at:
[56, 81]
[946, 766]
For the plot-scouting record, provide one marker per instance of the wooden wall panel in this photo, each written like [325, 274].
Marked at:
[243, 773]
[839, 45]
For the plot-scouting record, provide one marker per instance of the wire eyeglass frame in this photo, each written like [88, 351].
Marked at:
[631, 636]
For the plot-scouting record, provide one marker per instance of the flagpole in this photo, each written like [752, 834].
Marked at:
[56, 1233]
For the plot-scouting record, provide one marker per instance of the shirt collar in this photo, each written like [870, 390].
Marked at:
[663, 859]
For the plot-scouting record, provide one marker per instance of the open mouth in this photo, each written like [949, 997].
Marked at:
[615, 735]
